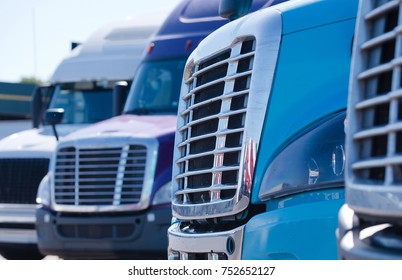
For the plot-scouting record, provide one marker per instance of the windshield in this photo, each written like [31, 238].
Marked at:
[83, 102]
[156, 88]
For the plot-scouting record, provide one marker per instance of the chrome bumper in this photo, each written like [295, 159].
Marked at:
[18, 214]
[211, 246]
[355, 243]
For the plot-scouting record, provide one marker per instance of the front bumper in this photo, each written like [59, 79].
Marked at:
[110, 236]
[17, 224]
[213, 246]
[304, 231]
[357, 243]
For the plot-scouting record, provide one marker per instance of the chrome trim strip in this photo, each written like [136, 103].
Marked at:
[18, 236]
[222, 115]
[227, 95]
[232, 59]
[120, 175]
[210, 170]
[378, 40]
[214, 188]
[214, 152]
[219, 132]
[375, 71]
[391, 160]
[227, 78]
[381, 10]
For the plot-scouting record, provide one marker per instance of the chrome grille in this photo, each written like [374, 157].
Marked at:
[99, 176]
[375, 111]
[211, 141]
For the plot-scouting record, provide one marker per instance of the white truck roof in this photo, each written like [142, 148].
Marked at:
[111, 53]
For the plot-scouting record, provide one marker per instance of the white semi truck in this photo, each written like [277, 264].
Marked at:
[83, 86]
[370, 221]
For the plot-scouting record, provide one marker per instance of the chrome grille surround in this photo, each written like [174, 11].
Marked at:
[221, 111]
[374, 134]
[103, 174]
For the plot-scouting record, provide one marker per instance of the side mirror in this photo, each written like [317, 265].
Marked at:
[53, 117]
[74, 45]
[40, 98]
[234, 9]
[120, 92]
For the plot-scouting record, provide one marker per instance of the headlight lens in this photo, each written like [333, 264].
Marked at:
[163, 195]
[315, 160]
[43, 195]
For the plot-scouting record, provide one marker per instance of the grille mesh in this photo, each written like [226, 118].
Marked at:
[212, 135]
[20, 179]
[99, 176]
[97, 231]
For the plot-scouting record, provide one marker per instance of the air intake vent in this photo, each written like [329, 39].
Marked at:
[99, 176]
[211, 140]
[375, 138]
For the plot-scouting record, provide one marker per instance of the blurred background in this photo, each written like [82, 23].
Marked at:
[37, 34]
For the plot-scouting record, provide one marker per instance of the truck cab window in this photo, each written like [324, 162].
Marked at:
[85, 102]
[156, 88]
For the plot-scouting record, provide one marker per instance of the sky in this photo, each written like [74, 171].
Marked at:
[37, 34]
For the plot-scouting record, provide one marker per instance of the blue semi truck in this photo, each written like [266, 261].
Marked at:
[259, 151]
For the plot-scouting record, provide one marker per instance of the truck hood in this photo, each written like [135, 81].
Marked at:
[300, 15]
[139, 126]
[37, 142]
[296, 15]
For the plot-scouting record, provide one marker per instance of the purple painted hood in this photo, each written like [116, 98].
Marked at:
[147, 126]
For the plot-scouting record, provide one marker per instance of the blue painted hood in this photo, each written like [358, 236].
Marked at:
[311, 76]
[300, 15]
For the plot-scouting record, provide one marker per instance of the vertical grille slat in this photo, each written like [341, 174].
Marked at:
[99, 176]
[211, 136]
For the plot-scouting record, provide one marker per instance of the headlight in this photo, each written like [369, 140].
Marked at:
[163, 195]
[43, 195]
[315, 160]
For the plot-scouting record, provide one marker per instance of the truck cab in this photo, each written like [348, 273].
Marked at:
[82, 85]
[259, 150]
[107, 194]
[370, 220]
